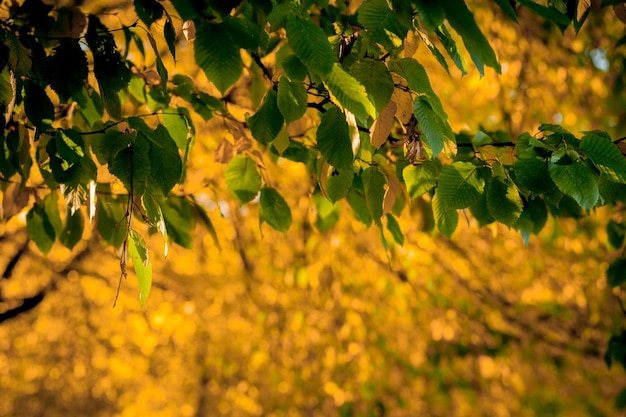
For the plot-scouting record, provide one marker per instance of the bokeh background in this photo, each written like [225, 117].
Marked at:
[330, 323]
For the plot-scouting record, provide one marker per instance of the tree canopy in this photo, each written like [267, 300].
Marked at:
[104, 116]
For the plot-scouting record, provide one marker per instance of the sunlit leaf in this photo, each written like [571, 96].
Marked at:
[605, 156]
[420, 179]
[140, 256]
[348, 93]
[503, 201]
[242, 178]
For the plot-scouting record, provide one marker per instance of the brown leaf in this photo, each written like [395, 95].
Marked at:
[620, 12]
[224, 152]
[391, 194]
[403, 100]
[410, 44]
[189, 30]
[381, 128]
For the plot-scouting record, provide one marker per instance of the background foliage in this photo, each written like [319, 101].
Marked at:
[291, 114]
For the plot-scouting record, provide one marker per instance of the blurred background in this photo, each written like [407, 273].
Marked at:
[329, 323]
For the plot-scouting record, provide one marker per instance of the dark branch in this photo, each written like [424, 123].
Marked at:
[26, 305]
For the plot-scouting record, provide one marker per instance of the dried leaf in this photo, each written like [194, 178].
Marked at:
[224, 152]
[410, 44]
[189, 30]
[381, 128]
[391, 194]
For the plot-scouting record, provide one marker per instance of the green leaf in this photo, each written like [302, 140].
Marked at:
[112, 74]
[615, 233]
[267, 122]
[348, 93]
[616, 349]
[480, 211]
[155, 217]
[338, 183]
[417, 78]
[161, 70]
[376, 79]
[67, 84]
[374, 187]
[446, 219]
[73, 231]
[431, 13]
[19, 56]
[333, 139]
[274, 209]
[294, 68]
[40, 229]
[132, 164]
[292, 99]
[451, 48]
[148, 11]
[107, 146]
[207, 222]
[560, 19]
[310, 44]
[170, 36]
[577, 181]
[179, 220]
[430, 124]
[217, 53]
[242, 178]
[532, 173]
[503, 201]
[327, 213]
[51, 208]
[420, 179]
[37, 105]
[357, 202]
[620, 400]
[139, 255]
[506, 7]
[605, 156]
[166, 165]
[111, 220]
[176, 124]
[394, 229]
[616, 272]
[376, 16]
[459, 185]
[462, 20]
